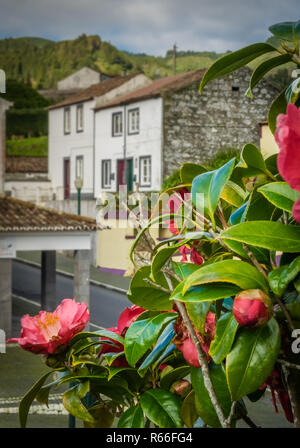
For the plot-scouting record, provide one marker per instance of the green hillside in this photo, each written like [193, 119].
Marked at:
[42, 62]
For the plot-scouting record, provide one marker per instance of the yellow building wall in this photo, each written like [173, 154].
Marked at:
[268, 144]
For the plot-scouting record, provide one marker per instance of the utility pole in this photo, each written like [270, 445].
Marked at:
[174, 58]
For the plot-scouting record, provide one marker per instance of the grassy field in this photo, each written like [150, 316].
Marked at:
[28, 147]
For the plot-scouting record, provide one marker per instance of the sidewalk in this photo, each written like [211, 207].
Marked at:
[65, 264]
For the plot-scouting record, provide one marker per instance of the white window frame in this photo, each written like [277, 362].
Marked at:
[133, 121]
[106, 176]
[117, 126]
[67, 120]
[145, 181]
[79, 118]
[79, 170]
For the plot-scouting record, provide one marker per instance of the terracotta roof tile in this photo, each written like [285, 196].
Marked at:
[26, 165]
[157, 88]
[94, 90]
[21, 216]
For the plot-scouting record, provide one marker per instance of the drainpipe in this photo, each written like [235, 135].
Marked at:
[94, 149]
[125, 149]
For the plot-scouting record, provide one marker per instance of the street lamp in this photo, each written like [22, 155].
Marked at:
[78, 184]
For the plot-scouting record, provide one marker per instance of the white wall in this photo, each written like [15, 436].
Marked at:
[81, 79]
[71, 145]
[148, 142]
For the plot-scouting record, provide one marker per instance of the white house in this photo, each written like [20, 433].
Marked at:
[71, 135]
[81, 79]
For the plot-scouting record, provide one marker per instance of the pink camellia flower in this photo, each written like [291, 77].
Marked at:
[174, 204]
[127, 317]
[46, 332]
[275, 384]
[287, 136]
[185, 344]
[252, 308]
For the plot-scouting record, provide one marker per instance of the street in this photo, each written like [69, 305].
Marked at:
[105, 304]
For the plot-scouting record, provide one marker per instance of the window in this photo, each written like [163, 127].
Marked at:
[133, 121]
[117, 124]
[235, 88]
[145, 171]
[79, 118]
[67, 120]
[79, 167]
[106, 173]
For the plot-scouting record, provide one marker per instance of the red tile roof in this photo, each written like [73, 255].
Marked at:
[95, 90]
[21, 216]
[157, 88]
[26, 165]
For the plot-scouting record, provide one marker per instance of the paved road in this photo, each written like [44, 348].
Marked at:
[106, 305]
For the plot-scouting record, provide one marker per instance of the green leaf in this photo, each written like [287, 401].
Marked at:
[162, 342]
[197, 313]
[102, 417]
[162, 408]
[252, 358]
[113, 371]
[174, 375]
[251, 158]
[205, 409]
[262, 255]
[183, 270]
[234, 194]
[28, 398]
[207, 188]
[280, 194]
[142, 335]
[206, 293]
[72, 401]
[188, 410]
[162, 256]
[280, 278]
[258, 208]
[189, 171]
[233, 61]
[236, 272]
[97, 334]
[146, 295]
[132, 418]
[278, 106]
[267, 234]
[284, 30]
[293, 91]
[225, 333]
[264, 68]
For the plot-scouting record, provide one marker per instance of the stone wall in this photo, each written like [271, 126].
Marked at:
[198, 127]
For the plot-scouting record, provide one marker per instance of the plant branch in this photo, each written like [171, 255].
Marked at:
[289, 364]
[254, 261]
[155, 285]
[285, 312]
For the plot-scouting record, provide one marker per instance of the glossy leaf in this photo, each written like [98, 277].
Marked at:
[267, 234]
[28, 398]
[264, 68]
[283, 30]
[189, 171]
[205, 293]
[234, 194]
[162, 342]
[280, 278]
[239, 215]
[73, 404]
[205, 409]
[141, 336]
[97, 334]
[236, 272]
[251, 157]
[188, 410]
[252, 358]
[207, 188]
[277, 107]
[280, 194]
[162, 408]
[293, 91]
[197, 313]
[162, 256]
[235, 60]
[132, 418]
[262, 255]
[102, 417]
[226, 329]
[174, 375]
[183, 270]
[146, 295]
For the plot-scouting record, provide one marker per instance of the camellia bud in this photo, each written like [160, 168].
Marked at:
[252, 308]
[180, 387]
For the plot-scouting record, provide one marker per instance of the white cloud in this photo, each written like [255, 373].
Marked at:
[150, 26]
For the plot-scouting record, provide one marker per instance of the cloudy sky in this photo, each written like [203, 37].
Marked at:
[150, 26]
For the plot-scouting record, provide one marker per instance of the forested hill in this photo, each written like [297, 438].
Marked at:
[42, 62]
